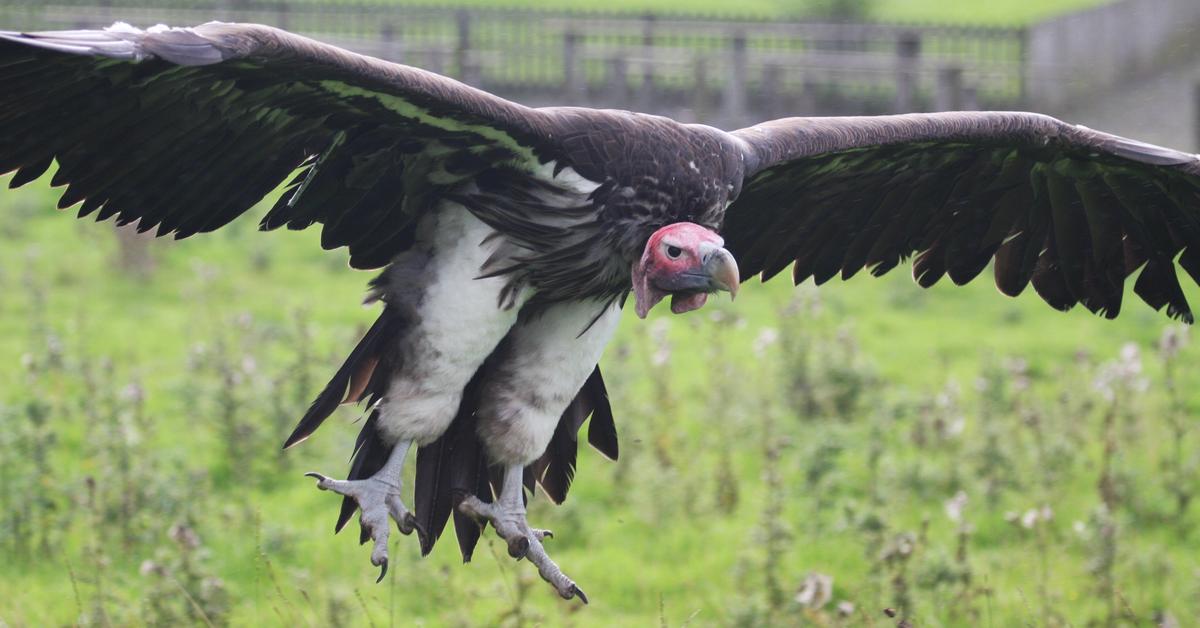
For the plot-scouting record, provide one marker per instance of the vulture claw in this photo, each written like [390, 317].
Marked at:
[378, 499]
[507, 516]
[383, 572]
[321, 479]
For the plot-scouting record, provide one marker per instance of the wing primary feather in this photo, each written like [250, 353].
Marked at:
[30, 172]
[383, 335]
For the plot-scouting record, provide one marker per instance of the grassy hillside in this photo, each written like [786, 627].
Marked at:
[953, 455]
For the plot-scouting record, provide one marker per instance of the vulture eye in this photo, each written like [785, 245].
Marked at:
[674, 252]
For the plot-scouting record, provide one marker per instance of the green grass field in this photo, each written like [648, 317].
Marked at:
[975, 11]
[796, 432]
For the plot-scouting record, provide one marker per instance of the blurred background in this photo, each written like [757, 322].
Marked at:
[862, 453]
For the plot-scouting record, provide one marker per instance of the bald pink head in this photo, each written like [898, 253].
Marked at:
[686, 261]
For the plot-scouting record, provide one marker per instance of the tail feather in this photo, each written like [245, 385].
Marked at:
[455, 452]
[555, 470]
[447, 469]
[466, 471]
[430, 505]
[469, 477]
[354, 380]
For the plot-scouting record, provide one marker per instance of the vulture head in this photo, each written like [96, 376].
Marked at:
[686, 261]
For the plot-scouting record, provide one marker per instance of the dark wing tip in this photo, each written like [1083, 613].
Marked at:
[1087, 193]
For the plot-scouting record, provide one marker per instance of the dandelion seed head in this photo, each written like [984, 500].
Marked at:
[816, 590]
[955, 506]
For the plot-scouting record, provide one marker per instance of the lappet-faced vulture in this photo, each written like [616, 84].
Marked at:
[509, 238]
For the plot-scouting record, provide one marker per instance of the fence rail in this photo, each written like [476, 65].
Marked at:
[728, 71]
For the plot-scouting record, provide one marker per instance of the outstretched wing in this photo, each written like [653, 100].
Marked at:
[185, 129]
[1071, 210]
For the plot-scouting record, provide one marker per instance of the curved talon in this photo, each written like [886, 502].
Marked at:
[542, 535]
[383, 572]
[518, 548]
[378, 502]
[321, 479]
[575, 591]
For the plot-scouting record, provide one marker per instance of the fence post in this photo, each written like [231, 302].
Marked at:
[390, 46]
[970, 99]
[1025, 73]
[1196, 116]
[772, 89]
[435, 59]
[618, 80]
[810, 97]
[1046, 83]
[908, 52]
[735, 85]
[949, 93]
[573, 78]
[646, 91]
[700, 87]
[468, 71]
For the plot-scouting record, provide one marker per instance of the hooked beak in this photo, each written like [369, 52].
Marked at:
[721, 270]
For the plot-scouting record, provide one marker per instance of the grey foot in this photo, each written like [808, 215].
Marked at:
[377, 499]
[523, 541]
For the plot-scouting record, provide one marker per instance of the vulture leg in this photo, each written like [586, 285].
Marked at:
[377, 496]
[507, 516]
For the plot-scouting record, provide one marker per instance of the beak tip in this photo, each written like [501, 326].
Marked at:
[727, 274]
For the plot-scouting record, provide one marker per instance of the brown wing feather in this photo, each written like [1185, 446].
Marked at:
[184, 130]
[1072, 210]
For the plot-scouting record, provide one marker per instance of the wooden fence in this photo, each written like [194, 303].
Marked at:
[725, 71]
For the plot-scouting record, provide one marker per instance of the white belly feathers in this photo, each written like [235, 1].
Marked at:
[460, 323]
[538, 369]
[545, 362]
